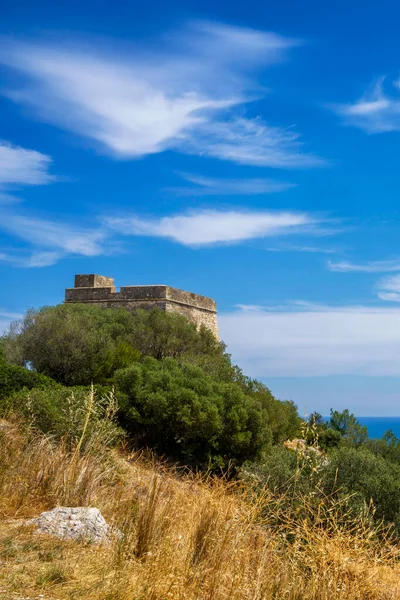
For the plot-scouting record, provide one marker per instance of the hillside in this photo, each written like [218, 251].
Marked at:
[185, 537]
[219, 489]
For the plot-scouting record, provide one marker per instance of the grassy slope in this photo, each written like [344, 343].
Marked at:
[184, 538]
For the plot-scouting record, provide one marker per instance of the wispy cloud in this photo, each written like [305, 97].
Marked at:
[28, 259]
[307, 249]
[208, 186]
[251, 142]
[376, 111]
[6, 317]
[50, 241]
[22, 166]
[181, 95]
[320, 341]
[10, 315]
[209, 227]
[379, 266]
[42, 233]
[389, 288]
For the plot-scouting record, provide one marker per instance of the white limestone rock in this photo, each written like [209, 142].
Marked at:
[78, 523]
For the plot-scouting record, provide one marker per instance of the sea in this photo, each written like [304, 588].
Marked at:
[378, 425]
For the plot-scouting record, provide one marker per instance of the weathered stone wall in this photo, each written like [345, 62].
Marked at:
[98, 289]
[197, 316]
[93, 281]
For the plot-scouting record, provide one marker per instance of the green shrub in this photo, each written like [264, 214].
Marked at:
[277, 470]
[283, 418]
[14, 379]
[368, 478]
[184, 413]
[329, 438]
[345, 423]
[74, 344]
[166, 335]
[80, 344]
[388, 446]
[70, 412]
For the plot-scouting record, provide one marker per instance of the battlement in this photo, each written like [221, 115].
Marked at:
[92, 288]
[82, 281]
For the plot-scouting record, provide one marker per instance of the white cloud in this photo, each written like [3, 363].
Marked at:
[375, 112]
[22, 166]
[180, 95]
[379, 266]
[250, 307]
[227, 44]
[55, 235]
[251, 142]
[212, 227]
[10, 315]
[50, 241]
[389, 288]
[4, 323]
[308, 249]
[42, 259]
[208, 186]
[317, 341]
[6, 317]
[28, 259]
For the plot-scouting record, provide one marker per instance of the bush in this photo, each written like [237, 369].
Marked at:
[277, 471]
[283, 418]
[368, 478]
[74, 344]
[329, 438]
[166, 335]
[69, 412]
[80, 344]
[14, 379]
[182, 412]
[351, 431]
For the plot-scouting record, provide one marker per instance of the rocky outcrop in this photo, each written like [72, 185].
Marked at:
[77, 523]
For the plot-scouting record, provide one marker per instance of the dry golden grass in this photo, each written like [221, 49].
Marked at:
[184, 537]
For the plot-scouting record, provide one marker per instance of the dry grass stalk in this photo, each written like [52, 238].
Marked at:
[184, 537]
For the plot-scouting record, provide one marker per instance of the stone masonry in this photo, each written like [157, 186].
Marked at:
[101, 290]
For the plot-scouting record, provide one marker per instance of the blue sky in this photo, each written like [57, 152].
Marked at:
[245, 153]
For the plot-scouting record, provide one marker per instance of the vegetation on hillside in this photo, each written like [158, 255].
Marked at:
[185, 536]
[84, 382]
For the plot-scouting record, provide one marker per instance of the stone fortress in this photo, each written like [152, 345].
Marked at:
[101, 290]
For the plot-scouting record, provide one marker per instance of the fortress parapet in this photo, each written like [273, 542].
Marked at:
[98, 289]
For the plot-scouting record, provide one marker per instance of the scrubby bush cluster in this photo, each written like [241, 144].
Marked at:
[77, 371]
[338, 461]
[177, 389]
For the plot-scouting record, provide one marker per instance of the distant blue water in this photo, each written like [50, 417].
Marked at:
[378, 425]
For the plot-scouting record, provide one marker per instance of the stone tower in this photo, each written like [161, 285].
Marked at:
[101, 290]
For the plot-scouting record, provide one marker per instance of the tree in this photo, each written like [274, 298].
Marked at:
[283, 417]
[184, 413]
[77, 344]
[14, 379]
[329, 438]
[74, 344]
[160, 335]
[352, 432]
[317, 420]
[367, 477]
